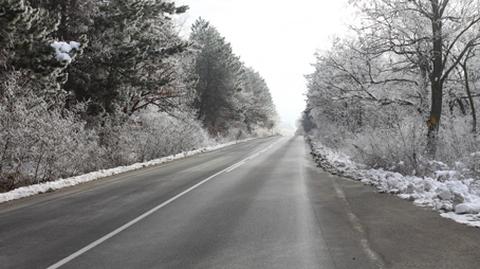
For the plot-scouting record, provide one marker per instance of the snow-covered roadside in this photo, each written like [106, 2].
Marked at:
[27, 191]
[455, 197]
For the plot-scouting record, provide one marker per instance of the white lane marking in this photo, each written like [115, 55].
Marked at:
[230, 169]
[355, 221]
[149, 212]
[251, 157]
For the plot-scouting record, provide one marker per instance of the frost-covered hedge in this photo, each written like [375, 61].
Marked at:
[149, 135]
[39, 143]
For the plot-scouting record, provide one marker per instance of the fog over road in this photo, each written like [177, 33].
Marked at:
[258, 204]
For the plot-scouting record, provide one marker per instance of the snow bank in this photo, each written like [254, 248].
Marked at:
[456, 197]
[27, 191]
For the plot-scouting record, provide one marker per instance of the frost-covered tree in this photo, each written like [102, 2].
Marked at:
[129, 63]
[27, 46]
[259, 109]
[75, 17]
[38, 137]
[219, 71]
[231, 99]
[24, 37]
[372, 93]
[398, 27]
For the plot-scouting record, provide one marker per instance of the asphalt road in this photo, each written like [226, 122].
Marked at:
[259, 204]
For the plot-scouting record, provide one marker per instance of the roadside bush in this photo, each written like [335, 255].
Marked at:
[39, 143]
[400, 147]
[396, 148]
[149, 135]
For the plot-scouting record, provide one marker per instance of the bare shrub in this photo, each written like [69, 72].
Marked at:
[39, 143]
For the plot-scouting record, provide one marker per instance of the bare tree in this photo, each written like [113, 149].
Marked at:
[398, 27]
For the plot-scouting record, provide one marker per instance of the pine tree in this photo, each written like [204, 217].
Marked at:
[129, 63]
[219, 72]
[259, 109]
[26, 47]
[75, 16]
[24, 37]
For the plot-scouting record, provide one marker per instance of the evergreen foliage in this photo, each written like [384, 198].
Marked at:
[230, 96]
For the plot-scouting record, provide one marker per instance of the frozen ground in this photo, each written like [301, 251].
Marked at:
[448, 192]
[26, 191]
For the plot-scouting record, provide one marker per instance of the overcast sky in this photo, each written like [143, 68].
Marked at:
[278, 38]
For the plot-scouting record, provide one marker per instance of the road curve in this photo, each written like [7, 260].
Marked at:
[259, 204]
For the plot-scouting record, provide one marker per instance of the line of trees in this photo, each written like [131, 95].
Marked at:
[88, 84]
[230, 96]
[403, 86]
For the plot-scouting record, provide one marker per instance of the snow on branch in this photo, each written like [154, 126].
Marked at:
[64, 51]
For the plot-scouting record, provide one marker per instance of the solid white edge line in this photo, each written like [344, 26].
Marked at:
[148, 213]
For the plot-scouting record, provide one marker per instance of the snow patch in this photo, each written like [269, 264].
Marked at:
[468, 208]
[64, 50]
[31, 190]
[472, 220]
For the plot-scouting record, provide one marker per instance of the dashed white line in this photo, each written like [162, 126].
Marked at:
[358, 227]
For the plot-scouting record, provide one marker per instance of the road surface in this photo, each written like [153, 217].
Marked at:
[259, 204]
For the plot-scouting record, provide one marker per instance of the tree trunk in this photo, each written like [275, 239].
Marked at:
[433, 123]
[424, 64]
[470, 97]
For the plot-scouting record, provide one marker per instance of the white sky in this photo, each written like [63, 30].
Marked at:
[278, 38]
